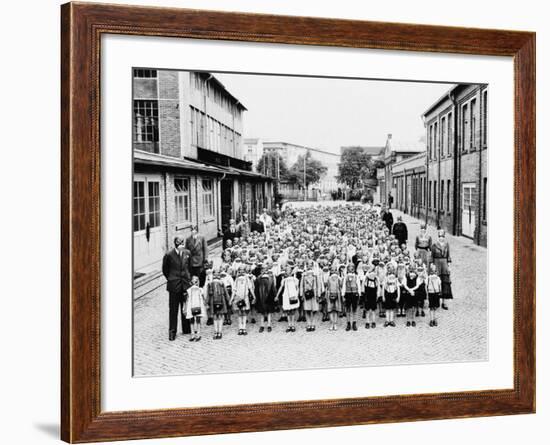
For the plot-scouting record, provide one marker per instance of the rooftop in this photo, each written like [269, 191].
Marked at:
[406, 146]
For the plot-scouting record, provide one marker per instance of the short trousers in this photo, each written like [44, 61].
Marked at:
[351, 301]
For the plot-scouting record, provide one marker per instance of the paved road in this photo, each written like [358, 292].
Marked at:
[461, 335]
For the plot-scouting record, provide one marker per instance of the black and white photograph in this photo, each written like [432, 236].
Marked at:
[285, 222]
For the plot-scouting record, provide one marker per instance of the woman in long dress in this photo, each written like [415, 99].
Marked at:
[441, 257]
[423, 245]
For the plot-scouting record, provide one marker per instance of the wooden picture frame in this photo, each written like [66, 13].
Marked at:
[82, 26]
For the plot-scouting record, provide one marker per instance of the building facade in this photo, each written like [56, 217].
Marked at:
[189, 165]
[394, 152]
[253, 151]
[290, 152]
[456, 135]
[447, 184]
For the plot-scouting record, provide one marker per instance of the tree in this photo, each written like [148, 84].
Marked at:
[315, 170]
[356, 167]
[269, 165]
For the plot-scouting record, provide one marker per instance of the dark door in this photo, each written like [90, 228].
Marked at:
[226, 192]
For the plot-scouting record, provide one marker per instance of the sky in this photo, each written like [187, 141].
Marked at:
[329, 113]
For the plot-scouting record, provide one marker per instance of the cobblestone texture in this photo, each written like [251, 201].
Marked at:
[460, 337]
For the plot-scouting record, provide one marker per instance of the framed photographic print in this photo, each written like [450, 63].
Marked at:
[274, 222]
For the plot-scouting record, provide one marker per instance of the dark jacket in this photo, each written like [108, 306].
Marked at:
[257, 226]
[387, 217]
[175, 269]
[400, 231]
[198, 249]
[228, 234]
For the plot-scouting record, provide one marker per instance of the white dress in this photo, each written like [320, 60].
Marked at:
[195, 299]
[290, 290]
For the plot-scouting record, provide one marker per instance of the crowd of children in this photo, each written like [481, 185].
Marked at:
[318, 264]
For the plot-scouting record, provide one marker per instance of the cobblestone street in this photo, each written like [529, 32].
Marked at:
[460, 337]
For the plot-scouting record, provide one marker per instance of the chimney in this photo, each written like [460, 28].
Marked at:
[389, 135]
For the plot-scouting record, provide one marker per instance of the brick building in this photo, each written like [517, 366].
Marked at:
[447, 184]
[189, 166]
[456, 134]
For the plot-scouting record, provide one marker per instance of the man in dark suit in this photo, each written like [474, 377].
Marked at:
[196, 244]
[258, 225]
[387, 217]
[400, 231]
[175, 267]
[231, 233]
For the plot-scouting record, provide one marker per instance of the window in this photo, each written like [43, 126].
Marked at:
[182, 200]
[430, 194]
[473, 121]
[448, 195]
[484, 214]
[202, 130]
[435, 195]
[449, 134]
[436, 142]
[441, 194]
[139, 206]
[485, 118]
[444, 141]
[207, 198]
[144, 74]
[465, 128]
[193, 127]
[154, 203]
[146, 204]
[146, 121]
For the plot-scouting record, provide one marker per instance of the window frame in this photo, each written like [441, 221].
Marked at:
[182, 194]
[207, 199]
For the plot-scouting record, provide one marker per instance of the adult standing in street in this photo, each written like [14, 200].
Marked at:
[423, 245]
[244, 226]
[266, 219]
[175, 268]
[400, 231]
[387, 217]
[196, 244]
[441, 258]
[258, 225]
[390, 199]
[231, 233]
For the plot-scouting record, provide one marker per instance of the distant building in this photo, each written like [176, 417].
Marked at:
[290, 152]
[189, 165]
[375, 151]
[253, 150]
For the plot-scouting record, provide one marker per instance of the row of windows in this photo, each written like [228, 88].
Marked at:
[440, 134]
[147, 202]
[443, 190]
[215, 94]
[144, 74]
[208, 133]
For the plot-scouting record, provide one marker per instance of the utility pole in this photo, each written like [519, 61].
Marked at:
[305, 184]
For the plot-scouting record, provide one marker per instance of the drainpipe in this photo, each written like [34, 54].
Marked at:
[479, 191]
[439, 195]
[455, 165]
